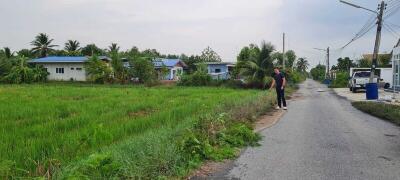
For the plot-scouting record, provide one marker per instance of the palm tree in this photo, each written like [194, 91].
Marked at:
[114, 48]
[8, 53]
[72, 46]
[302, 64]
[42, 45]
[258, 64]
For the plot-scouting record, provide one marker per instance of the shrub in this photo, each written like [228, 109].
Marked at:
[198, 78]
[258, 84]
[143, 69]
[22, 73]
[295, 77]
[340, 81]
[97, 70]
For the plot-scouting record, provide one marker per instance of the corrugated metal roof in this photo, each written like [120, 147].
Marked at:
[65, 59]
[167, 62]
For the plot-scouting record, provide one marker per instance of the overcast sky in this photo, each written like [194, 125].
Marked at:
[189, 26]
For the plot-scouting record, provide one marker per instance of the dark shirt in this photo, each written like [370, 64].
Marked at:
[278, 79]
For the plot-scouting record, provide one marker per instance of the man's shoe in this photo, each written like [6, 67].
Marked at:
[278, 108]
[284, 108]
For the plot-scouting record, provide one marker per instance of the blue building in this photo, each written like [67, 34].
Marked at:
[174, 67]
[220, 70]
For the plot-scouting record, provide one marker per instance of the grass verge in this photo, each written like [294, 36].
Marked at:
[382, 110]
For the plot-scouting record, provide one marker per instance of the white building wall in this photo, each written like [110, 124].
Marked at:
[175, 72]
[71, 71]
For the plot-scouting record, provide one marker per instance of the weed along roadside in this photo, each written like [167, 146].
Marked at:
[389, 112]
[257, 119]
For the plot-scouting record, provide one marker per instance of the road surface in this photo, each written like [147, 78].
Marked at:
[322, 137]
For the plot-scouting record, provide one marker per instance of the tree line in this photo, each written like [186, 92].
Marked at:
[14, 66]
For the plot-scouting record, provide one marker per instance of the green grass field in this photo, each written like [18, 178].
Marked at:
[47, 127]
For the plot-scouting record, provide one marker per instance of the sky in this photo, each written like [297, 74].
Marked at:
[189, 26]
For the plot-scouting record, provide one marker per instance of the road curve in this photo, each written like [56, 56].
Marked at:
[322, 137]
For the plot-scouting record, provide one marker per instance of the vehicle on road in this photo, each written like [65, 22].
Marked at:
[359, 80]
[385, 75]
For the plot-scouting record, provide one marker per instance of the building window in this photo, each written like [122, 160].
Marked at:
[79, 69]
[72, 68]
[60, 70]
[217, 70]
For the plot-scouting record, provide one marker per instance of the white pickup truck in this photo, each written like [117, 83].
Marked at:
[359, 80]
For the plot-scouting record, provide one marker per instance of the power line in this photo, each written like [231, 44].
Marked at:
[391, 30]
[364, 30]
[392, 24]
[371, 23]
[392, 8]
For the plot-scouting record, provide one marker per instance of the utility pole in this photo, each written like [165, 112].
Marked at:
[381, 8]
[329, 69]
[283, 52]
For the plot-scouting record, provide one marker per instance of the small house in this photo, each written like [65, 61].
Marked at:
[66, 68]
[173, 68]
[220, 70]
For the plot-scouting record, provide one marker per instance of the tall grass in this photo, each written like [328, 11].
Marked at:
[44, 128]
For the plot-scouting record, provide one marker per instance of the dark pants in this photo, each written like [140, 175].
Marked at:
[280, 94]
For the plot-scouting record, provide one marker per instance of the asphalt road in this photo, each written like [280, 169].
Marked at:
[322, 137]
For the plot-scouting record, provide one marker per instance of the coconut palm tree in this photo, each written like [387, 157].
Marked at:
[302, 64]
[114, 48]
[72, 46]
[91, 50]
[258, 63]
[8, 53]
[42, 45]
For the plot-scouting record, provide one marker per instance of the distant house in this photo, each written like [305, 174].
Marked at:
[174, 68]
[220, 70]
[65, 68]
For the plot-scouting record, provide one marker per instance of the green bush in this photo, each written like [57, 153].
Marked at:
[295, 77]
[198, 78]
[257, 84]
[97, 70]
[341, 80]
[21, 72]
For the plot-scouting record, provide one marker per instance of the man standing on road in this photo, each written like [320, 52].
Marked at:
[279, 81]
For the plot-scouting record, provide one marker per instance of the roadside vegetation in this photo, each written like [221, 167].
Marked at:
[385, 111]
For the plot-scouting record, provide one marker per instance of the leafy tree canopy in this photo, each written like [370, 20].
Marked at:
[209, 55]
